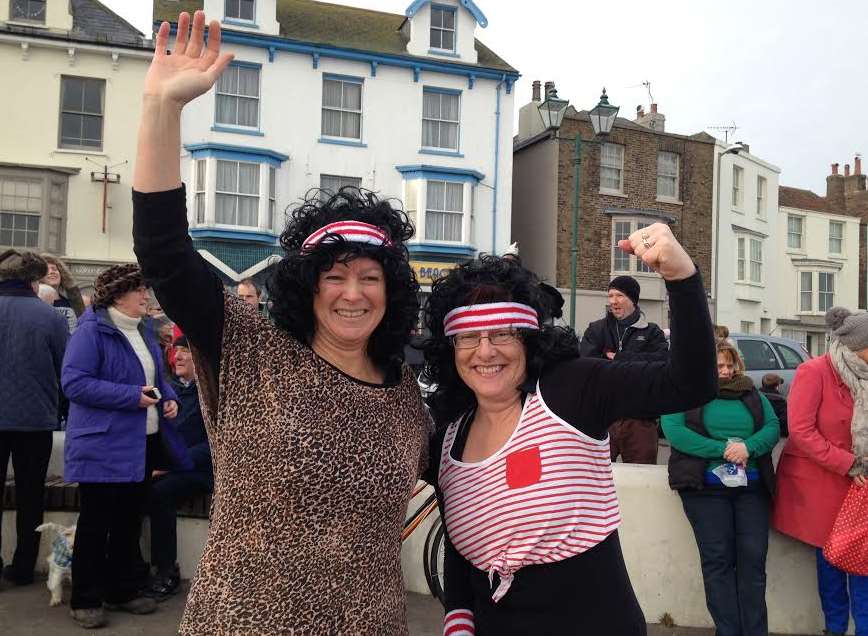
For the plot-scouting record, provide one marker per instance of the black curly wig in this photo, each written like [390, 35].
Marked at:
[487, 279]
[295, 277]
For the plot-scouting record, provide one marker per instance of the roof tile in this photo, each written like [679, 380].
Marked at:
[336, 25]
[802, 200]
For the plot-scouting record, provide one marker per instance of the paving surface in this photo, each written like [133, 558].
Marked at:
[24, 611]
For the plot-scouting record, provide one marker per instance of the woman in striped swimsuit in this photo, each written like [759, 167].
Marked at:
[524, 477]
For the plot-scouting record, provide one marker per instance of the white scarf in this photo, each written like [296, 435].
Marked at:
[854, 371]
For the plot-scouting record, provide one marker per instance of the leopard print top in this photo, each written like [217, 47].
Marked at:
[313, 473]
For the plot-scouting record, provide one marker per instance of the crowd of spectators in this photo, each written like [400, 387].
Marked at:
[118, 377]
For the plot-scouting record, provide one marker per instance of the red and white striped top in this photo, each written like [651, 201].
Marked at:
[545, 496]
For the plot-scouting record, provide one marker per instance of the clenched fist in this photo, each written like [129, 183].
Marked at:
[659, 249]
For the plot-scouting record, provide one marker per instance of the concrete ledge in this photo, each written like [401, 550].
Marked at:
[663, 560]
[658, 546]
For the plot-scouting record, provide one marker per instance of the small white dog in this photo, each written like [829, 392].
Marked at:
[60, 559]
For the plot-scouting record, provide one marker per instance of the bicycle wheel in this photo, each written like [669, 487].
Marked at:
[435, 547]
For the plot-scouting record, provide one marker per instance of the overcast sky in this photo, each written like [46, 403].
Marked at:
[791, 74]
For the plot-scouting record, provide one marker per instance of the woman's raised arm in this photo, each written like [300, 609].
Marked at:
[174, 79]
[189, 292]
[602, 391]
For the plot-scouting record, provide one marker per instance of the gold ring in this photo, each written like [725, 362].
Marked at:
[645, 242]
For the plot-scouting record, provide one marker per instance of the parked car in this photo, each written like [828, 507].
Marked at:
[770, 354]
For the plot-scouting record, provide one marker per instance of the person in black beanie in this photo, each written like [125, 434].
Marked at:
[624, 334]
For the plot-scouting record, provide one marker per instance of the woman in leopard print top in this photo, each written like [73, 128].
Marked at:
[317, 432]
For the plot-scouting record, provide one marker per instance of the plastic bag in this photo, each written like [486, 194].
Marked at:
[731, 475]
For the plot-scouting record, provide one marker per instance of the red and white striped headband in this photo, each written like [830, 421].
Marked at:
[352, 231]
[490, 316]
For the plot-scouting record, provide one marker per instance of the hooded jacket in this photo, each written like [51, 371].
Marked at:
[103, 378]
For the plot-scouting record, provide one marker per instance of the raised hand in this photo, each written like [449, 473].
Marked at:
[192, 68]
[172, 81]
[659, 249]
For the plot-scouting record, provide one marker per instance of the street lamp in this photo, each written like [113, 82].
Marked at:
[553, 109]
[603, 115]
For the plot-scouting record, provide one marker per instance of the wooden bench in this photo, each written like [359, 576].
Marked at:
[61, 496]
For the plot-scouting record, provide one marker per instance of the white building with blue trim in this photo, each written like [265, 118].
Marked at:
[321, 95]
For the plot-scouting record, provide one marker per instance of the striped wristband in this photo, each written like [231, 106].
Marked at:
[458, 622]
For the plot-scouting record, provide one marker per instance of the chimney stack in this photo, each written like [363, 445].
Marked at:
[857, 167]
[653, 119]
[536, 95]
[846, 169]
[835, 168]
[549, 87]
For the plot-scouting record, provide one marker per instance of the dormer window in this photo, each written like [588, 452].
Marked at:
[27, 10]
[240, 9]
[442, 28]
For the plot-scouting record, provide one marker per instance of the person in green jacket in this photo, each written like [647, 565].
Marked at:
[721, 467]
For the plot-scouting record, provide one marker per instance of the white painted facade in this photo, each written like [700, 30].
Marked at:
[816, 271]
[388, 155]
[465, 28]
[746, 235]
[63, 193]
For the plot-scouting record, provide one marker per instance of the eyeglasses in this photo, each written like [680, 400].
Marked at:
[471, 339]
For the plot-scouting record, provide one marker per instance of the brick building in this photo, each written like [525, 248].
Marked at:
[849, 192]
[640, 175]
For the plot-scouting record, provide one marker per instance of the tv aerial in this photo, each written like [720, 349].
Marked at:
[726, 130]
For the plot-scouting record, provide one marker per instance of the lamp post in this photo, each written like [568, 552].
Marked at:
[732, 150]
[603, 115]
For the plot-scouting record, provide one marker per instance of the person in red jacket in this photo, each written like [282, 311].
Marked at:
[819, 464]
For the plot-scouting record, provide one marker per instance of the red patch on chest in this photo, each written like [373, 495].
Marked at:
[523, 468]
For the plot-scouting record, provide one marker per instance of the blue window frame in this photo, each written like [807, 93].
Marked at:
[240, 9]
[443, 27]
[237, 98]
[342, 106]
[441, 118]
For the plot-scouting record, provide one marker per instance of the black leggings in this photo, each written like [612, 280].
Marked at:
[106, 560]
[30, 453]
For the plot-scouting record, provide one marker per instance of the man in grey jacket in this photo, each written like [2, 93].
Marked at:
[32, 342]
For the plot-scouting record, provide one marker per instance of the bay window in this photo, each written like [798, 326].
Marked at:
[236, 188]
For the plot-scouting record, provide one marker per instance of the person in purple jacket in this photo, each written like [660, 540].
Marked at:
[118, 430]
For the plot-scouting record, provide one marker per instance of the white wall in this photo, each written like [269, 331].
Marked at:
[57, 16]
[290, 118]
[465, 32]
[265, 16]
[663, 561]
[814, 256]
[29, 121]
[745, 301]
[658, 543]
